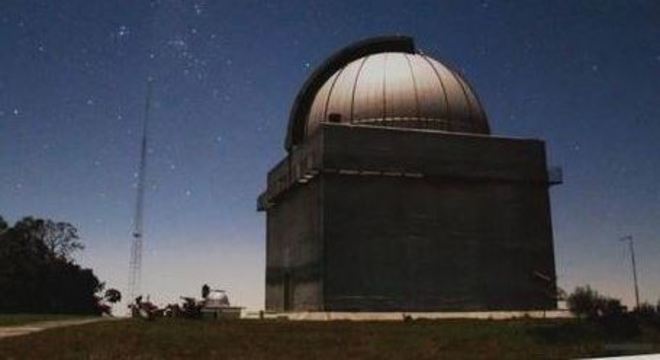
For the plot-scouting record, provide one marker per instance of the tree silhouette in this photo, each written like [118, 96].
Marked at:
[3, 225]
[112, 296]
[60, 238]
[37, 272]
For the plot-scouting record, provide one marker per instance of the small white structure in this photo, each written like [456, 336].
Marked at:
[216, 299]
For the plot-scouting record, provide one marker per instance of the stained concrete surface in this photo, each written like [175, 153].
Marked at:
[380, 219]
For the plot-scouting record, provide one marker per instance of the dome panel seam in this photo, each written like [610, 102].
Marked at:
[412, 76]
[327, 100]
[444, 89]
[357, 78]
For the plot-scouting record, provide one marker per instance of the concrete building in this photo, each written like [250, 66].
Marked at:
[394, 196]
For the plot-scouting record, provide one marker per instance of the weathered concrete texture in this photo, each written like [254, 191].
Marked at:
[426, 244]
[293, 251]
[383, 219]
[400, 316]
[433, 153]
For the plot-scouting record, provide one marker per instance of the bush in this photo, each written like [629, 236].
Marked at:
[646, 311]
[648, 314]
[609, 307]
[583, 302]
[586, 303]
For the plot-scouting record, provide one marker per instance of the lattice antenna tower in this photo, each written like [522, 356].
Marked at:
[135, 265]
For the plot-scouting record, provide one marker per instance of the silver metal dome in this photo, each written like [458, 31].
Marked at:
[385, 81]
[401, 90]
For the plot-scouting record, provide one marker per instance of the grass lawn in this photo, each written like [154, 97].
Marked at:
[22, 319]
[254, 339]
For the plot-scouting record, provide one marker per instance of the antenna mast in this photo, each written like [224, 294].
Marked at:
[135, 265]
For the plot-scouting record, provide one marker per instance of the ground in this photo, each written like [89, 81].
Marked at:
[21, 319]
[21, 325]
[281, 339]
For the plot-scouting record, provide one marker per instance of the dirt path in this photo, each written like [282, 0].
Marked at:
[8, 331]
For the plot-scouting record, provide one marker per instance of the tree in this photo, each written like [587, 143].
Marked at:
[61, 238]
[583, 302]
[112, 296]
[610, 307]
[37, 272]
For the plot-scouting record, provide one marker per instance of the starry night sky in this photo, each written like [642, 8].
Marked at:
[583, 76]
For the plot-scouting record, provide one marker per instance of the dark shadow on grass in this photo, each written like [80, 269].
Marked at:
[610, 329]
[564, 332]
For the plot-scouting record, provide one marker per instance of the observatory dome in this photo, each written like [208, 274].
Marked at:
[386, 82]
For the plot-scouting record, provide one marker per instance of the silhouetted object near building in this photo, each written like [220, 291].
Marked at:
[145, 309]
[112, 296]
[395, 197]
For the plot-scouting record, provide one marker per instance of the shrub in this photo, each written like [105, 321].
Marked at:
[648, 314]
[584, 302]
[609, 307]
[646, 311]
[607, 312]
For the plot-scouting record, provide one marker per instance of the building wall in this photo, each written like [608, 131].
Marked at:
[409, 220]
[395, 243]
[293, 251]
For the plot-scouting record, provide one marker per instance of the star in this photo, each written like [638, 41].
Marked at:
[123, 31]
[198, 9]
